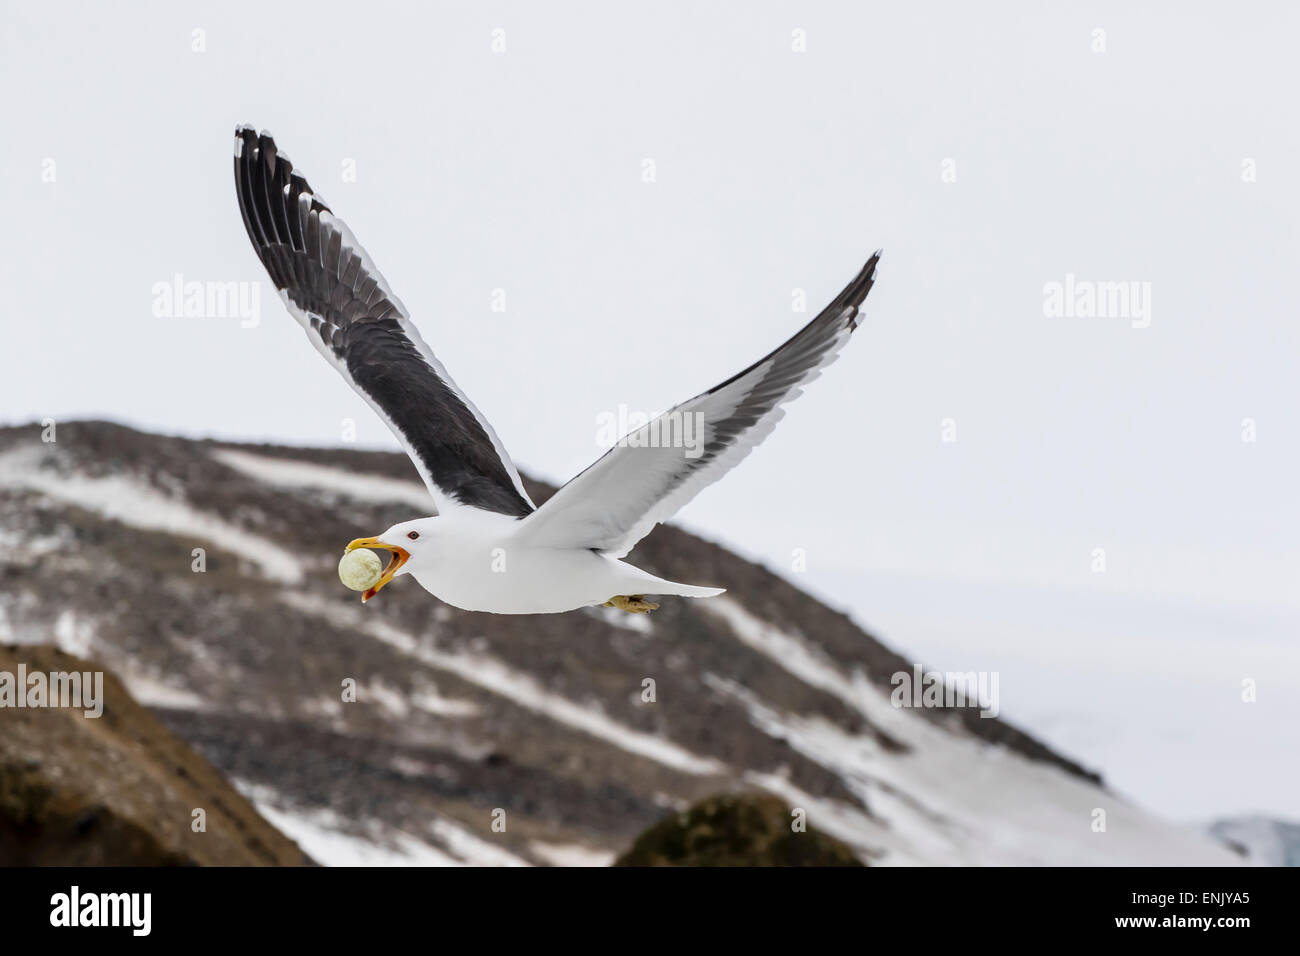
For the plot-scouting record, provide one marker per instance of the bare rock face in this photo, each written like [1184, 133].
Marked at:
[118, 789]
[736, 830]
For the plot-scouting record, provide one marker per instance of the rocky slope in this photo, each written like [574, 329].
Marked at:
[486, 739]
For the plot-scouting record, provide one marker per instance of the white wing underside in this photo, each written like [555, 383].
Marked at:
[654, 471]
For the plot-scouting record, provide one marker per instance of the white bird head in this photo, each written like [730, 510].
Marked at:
[403, 541]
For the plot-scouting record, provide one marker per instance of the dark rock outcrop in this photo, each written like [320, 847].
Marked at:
[119, 789]
[736, 830]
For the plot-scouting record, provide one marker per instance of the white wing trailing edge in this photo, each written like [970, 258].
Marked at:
[647, 478]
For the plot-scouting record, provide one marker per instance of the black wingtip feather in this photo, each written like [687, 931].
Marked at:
[856, 291]
[269, 191]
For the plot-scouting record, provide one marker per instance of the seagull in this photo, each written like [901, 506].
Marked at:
[488, 547]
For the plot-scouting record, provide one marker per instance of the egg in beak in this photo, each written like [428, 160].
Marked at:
[397, 558]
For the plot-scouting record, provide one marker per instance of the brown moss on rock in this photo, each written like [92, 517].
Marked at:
[736, 830]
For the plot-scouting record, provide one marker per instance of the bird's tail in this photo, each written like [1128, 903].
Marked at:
[637, 581]
[689, 590]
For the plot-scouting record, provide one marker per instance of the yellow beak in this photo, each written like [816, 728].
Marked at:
[399, 557]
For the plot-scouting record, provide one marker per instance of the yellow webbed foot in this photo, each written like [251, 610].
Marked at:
[633, 603]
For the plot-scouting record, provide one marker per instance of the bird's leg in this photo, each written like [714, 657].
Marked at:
[632, 603]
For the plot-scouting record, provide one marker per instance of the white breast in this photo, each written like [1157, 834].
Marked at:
[473, 562]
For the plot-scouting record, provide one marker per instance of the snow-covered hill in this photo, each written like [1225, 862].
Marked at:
[1262, 840]
[500, 740]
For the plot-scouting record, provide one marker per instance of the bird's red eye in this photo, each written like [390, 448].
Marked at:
[413, 535]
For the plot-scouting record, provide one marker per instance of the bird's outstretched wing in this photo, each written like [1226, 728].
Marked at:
[351, 316]
[658, 468]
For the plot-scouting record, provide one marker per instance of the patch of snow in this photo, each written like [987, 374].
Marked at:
[321, 834]
[388, 698]
[640, 623]
[431, 702]
[330, 846]
[473, 850]
[154, 693]
[73, 634]
[289, 473]
[328, 708]
[572, 854]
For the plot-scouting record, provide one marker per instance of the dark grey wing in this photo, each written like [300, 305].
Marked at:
[658, 468]
[331, 286]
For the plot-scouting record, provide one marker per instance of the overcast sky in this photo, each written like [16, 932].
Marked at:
[648, 187]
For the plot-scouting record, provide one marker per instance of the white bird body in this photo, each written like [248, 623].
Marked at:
[490, 548]
[475, 560]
